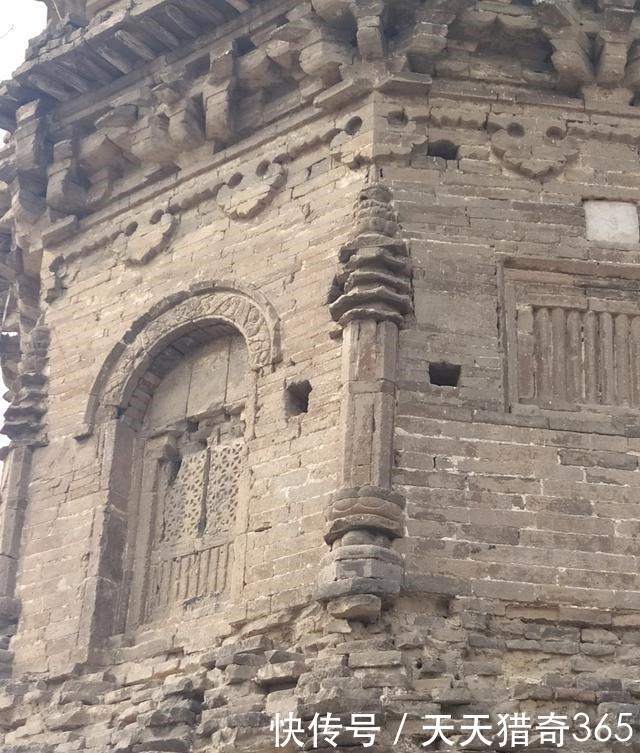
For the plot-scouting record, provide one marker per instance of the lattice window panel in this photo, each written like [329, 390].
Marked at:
[192, 552]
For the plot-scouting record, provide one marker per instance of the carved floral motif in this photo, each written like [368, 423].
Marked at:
[538, 153]
[142, 242]
[249, 314]
[243, 196]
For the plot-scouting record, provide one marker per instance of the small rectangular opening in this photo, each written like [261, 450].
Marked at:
[444, 374]
[297, 398]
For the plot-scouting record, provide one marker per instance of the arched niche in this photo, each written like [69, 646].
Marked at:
[203, 305]
[174, 405]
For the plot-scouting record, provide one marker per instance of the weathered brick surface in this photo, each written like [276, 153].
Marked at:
[66, 489]
[272, 453]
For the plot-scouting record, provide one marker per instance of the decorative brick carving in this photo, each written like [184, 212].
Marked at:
[187, 578]
[181, 502]
[573, 336]
[191, 549]
[375, 283]
[218, 97]
[371, 297]
[24, 418]
[572, 47]
[365, 507]
[166, 572]
[222, 488]
[191, 449]
[24, 175]
[142, 242]
[536, 152]
[202, 497]
[207, 304]
[243, 196]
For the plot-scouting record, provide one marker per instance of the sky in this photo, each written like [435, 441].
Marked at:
[25, 20]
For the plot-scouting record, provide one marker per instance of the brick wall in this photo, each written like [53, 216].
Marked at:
[287, 253]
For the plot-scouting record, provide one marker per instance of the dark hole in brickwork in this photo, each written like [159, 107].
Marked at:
[594, 48]
[297, 398]
[443, 149]
[353, 126]
[244, 46]
[515, 130]
[5, 242]
[335, 291]
[398, 119]
[444, 374]
[555, 134]
[198, 67]
[262, 169]
[392, 29]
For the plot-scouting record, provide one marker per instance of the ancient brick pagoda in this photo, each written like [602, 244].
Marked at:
[274, 454]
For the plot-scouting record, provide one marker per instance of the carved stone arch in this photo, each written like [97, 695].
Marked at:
[186, 315]
[150, 467]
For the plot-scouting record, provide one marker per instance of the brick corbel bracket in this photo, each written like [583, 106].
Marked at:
[362, 574]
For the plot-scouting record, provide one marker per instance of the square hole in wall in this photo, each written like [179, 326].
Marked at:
[297, 398]
[443, 374]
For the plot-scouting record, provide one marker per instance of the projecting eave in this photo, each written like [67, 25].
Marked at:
[74, 59]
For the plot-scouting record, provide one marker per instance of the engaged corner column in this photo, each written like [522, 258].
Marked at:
[362, 574]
